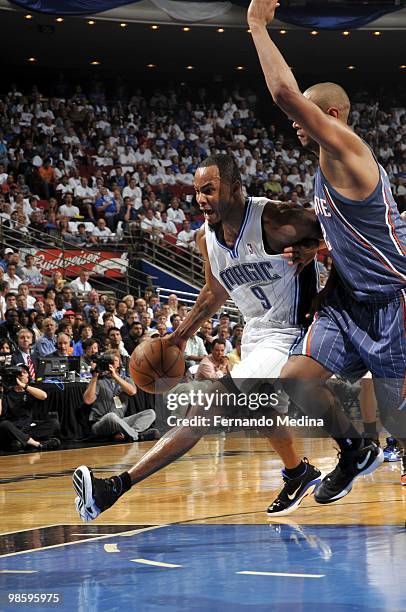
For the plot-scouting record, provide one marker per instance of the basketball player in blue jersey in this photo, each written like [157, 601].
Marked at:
[361, 324]
[242, 243]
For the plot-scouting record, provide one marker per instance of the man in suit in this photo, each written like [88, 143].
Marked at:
[23, 355]
[63, 344]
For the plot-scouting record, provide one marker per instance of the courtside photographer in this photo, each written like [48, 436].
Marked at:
[19, 429]
[108, 394]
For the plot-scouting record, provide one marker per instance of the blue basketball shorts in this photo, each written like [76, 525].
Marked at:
[350, 338]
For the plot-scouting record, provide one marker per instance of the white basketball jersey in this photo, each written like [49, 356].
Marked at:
[264, 287]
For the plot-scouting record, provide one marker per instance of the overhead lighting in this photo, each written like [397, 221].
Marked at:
[123, 25]
[346, 33]
[59, 19]
[402, 67]
[95, 63]
[351, 67]
[186, 29]
[240, 67]
[28, 16]
[32, 59]
[190, 67]
[221, 30]
[282, 31]
[377, 33]
[314, 32]
[151, 66]
[91, 22]
[154, 27]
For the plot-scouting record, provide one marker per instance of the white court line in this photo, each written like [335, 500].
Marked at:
[110, 535]
[154, 563]
[281, 574]
[30, 529]
[111, 548]
[92, 534]
[18, 572]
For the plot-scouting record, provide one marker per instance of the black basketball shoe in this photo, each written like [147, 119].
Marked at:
[95, 495]
[295, 490]
[351, 464]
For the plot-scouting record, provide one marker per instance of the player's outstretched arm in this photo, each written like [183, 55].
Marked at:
[210, 299]
[332, 135]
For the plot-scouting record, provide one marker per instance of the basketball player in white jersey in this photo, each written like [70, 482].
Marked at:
[242, 243]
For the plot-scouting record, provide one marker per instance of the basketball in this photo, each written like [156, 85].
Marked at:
[155, 361]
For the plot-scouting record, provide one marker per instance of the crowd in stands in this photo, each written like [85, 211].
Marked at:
[88, 165]
[72, 319]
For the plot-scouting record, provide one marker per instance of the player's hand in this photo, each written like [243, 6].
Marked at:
[261, 12]
[174, 339]
[301, 254]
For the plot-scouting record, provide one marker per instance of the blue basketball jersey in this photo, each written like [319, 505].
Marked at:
[367, 239]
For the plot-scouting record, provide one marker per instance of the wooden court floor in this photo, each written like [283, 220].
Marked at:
[223, 480]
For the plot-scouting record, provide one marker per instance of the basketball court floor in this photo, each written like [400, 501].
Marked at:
[195, 536]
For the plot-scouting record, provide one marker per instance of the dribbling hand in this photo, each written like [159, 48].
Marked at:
[301, 254]
[261, 12]
[175, 340]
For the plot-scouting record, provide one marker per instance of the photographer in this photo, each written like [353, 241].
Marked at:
[108, 395]
[10, 327]
[17, 429]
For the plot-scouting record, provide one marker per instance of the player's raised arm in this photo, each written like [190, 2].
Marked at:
[332, 134]
[210, 299]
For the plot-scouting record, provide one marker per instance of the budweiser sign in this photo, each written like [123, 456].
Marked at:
[72, 261]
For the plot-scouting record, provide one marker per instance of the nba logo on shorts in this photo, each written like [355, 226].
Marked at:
[249, 248]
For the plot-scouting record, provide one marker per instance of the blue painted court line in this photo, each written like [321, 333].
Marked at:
[342, 568]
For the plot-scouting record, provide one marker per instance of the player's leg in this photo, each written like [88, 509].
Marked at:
[368, 409]
[393, 451]
[96, 495]
[390, 394]
[263, 358]
[324, 351]
[300, 477]
[385, 354]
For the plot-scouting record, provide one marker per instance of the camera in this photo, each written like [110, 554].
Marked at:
[103, 362]
[9, 375]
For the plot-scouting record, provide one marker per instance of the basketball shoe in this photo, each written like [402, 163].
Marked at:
[295, 490]
[351, 464]
[94, 494]
[403, 470]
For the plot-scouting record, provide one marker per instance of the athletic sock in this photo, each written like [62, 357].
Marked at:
[370, 430]
[122, 483]
[349, 444]
[297, 471]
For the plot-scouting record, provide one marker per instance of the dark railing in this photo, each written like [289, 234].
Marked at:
[39, 243]
[188, 265]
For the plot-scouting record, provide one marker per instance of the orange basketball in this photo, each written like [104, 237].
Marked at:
[156, 365]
